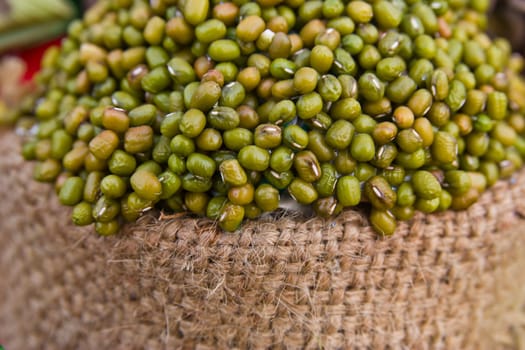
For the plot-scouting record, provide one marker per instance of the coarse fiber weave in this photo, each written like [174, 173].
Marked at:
[447, 281]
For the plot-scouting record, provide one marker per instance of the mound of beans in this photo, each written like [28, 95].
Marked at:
[224, 108]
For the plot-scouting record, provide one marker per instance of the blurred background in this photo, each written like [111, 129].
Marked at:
[27, 28]
[507, 19]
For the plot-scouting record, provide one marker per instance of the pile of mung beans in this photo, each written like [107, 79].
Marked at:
[223, 108]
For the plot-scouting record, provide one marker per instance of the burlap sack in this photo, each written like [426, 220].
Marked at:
[448, 281]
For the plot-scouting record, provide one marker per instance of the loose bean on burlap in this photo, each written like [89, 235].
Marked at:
[446, 281]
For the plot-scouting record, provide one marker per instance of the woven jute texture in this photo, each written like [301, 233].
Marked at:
[447, 281]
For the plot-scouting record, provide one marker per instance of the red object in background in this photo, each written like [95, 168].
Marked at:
[33, 56]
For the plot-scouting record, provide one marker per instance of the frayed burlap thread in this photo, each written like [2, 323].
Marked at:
[445, 281]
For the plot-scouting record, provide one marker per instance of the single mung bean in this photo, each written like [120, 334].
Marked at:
[267, 136]
[192, 123]
[412, 25]
[156, 80]
[209, 140]
[200, 165]
[283, 112]
[81, 215]
[390, 43]
[383, 222]
[181, 71]
[318, 145]
[223, 118]
[420, 71]
[267, 197]
[195, 12]
[121, 163]
[282, 159]
[146, 185]
[248, 117]
[232, 173]
[295, 137]
[107, 228]
[206, 96]
[321, 58]
[72, 191]
[413, 160]
[427, 206]
[425, 185]
[497, 105]
[352, 43]
[138, 139]
[113, 186]
[425, 129]
[340, 134]
[344, 163]
[387, 14]
[438, 85]
[329, 88]
[233, 94]
[104, 144]
[249, 28]
[439, 114]
[385, 155]
[364, 124]
[364, 171]
[182, 145]
[348, 191]
[242, 194]
[347, 108]
[237, 138]
[74, 159]
[403, 117]
[176, 164]
[142, 115]
[303, 192]
[326, 184]
[504, 133]
[327, 207]
[170, 182]
[477, 143]
[457, 182]
[344, 63]
[371, 87]
[362, 148]
[155, 56]
[307, 166]
[457, 95]
[116, 120]
[401, 89]
[196, 202]
[343, 25]
[249, 77]
[380, 193]
[360, 11]
[231, 217]
[427, 17]
[394, 174]
[390, 68]
[61, 144]
[405, 195]
[254, 158]
[210, 31]
[215, 206]
[444, 147]
[279, 180]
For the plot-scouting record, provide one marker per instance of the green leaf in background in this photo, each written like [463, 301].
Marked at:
[20, 13]
[27, 22]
